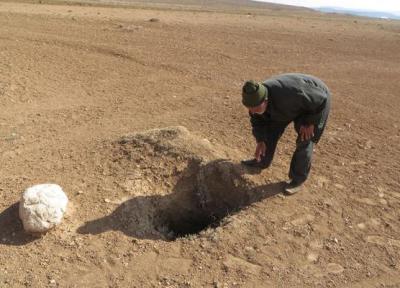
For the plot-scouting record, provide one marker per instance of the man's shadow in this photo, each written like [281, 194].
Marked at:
[11, 229]
[201, 198]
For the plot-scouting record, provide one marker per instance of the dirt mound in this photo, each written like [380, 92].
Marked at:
[175, 141]
[180, 184]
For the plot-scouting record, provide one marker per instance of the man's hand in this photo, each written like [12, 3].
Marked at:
[306, 132]
[260, 150]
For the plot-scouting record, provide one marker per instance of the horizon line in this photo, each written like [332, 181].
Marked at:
[397, 13]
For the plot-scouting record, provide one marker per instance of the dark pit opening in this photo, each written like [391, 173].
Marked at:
[185, 227]
[202, 200]
[182, 217]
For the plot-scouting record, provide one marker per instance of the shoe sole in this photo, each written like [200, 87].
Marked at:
[292, 191]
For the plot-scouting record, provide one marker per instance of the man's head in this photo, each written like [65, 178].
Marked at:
[254, 96]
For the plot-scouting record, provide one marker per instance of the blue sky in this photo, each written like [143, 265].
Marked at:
[392, 6]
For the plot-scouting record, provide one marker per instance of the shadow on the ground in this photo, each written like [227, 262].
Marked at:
[184, 211]
[11, 229]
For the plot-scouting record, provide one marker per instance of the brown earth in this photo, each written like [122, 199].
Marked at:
[74, 80]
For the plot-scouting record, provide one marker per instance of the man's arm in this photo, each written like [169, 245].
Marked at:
[313, 105]
[258, 127]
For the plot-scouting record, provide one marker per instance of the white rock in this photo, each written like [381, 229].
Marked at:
[42, 207]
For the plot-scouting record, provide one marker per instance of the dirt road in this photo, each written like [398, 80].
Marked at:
[75, 79]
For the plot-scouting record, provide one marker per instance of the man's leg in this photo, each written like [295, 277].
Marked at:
[271, 140]
[300, 165]
[301, 161]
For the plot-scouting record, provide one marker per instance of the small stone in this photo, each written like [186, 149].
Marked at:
[328, 203]
[334, 268]
[362, 226]
[322, 181]
[375, 222]
[312, 257]
[316, 244]
[106, 200]
[368, 145]
[339, 186]
[249, 249]
[383, 201]
[303, 220]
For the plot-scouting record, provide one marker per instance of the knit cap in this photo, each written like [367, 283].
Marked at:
[253, 93]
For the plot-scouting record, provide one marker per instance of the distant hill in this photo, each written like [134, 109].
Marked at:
[204, 4]
[373, 14]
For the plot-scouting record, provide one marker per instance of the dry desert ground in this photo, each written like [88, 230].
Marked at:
[130, 106]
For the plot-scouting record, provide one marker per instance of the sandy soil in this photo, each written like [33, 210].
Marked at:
[74, 80]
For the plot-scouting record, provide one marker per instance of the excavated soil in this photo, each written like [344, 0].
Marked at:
[96, 99]
[178, 184]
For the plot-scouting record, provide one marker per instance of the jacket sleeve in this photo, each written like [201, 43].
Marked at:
[258, 126]
[313, 105]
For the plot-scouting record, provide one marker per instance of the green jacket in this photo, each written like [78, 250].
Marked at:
[291, 97]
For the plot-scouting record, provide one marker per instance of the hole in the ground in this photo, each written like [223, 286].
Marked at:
[202, 200]
[190, 225]
[176, 190]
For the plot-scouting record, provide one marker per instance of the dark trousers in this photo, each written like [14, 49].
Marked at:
[301, 160]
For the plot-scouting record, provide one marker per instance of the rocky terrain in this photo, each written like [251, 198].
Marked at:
[135, 111]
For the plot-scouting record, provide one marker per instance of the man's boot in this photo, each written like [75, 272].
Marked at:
[293, 187]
